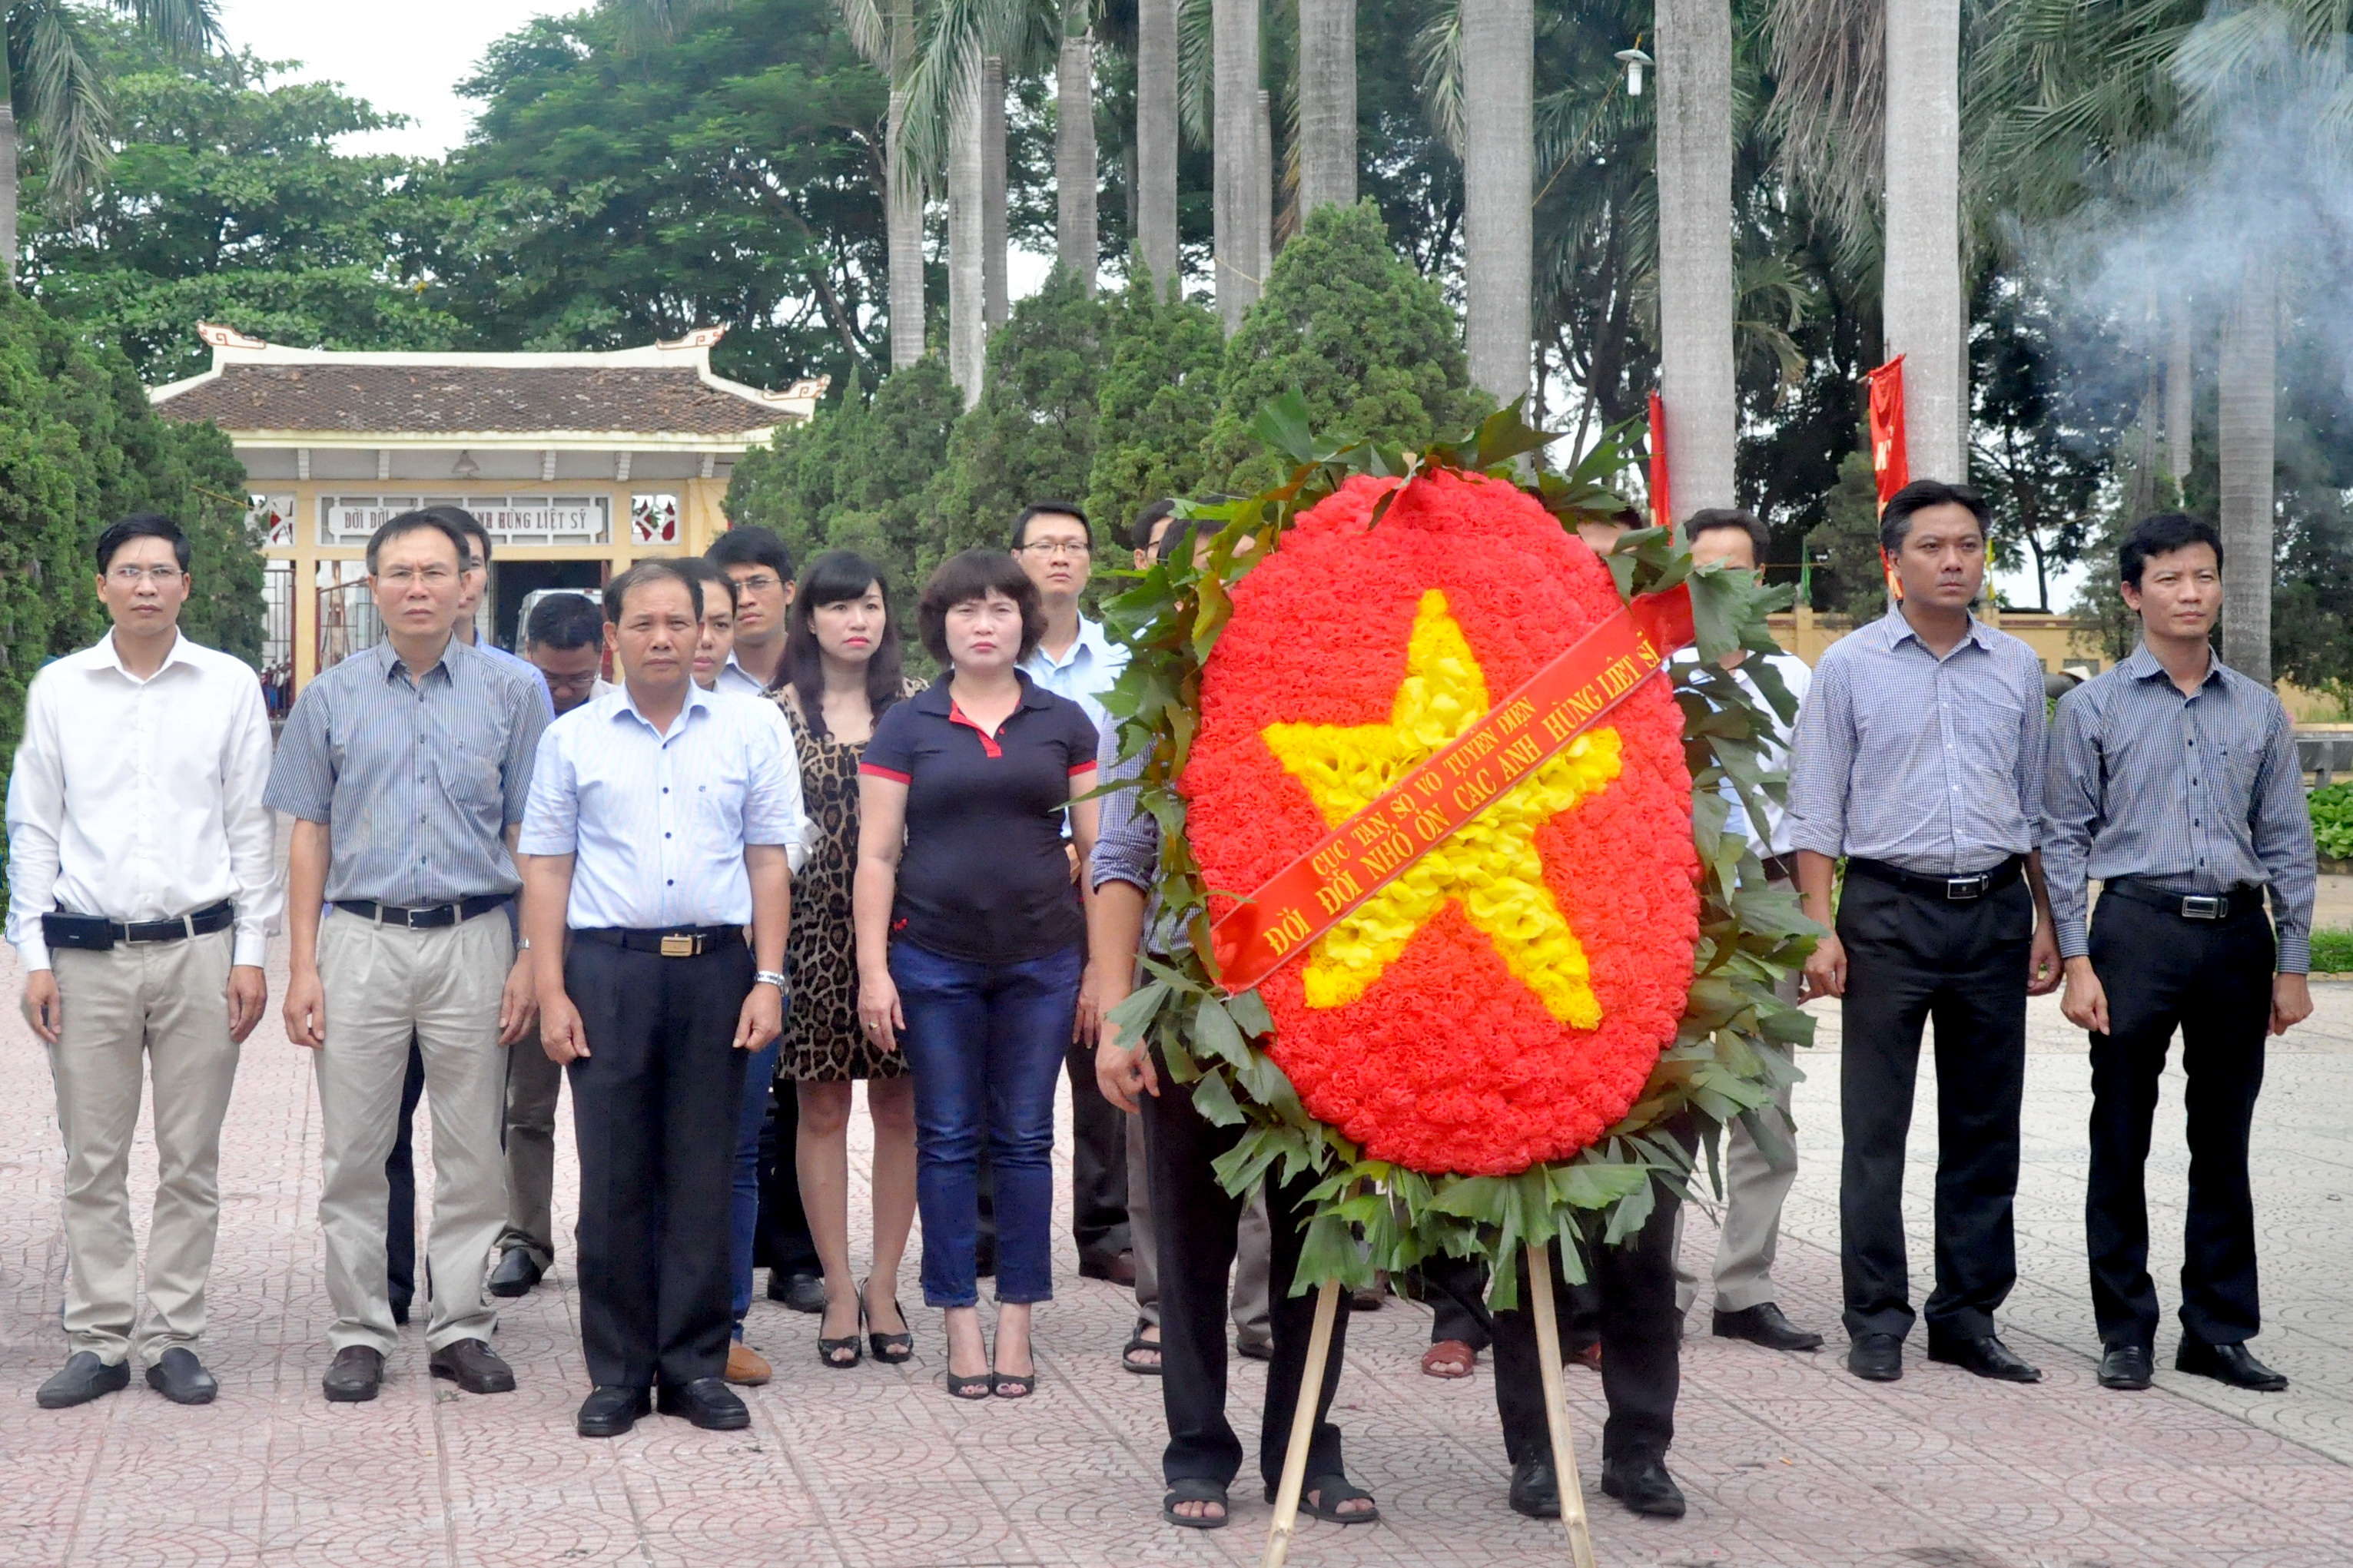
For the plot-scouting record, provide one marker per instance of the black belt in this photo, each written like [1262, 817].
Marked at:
[1957, 889]
[427, 918]
[1781, 868]
[78, 931]
[2237, 902]
[675, 941]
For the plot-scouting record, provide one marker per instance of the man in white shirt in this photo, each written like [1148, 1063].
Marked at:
[1756, 1183]
[143, 892]
[1055, 544]
[662, 823]
[760, 567]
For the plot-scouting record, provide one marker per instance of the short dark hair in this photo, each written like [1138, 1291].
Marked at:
[563, 620]
[467, 523]
[657, 570]
[700, 569]
[142, 525]
[833, 577]
[748, 545]
[1708, 519]
[1895, 522]
[1050, 508]
[1142, 529]
[408, 522]
[2162, 534]
[975, 574]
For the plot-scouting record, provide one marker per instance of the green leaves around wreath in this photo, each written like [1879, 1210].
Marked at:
[1729, 1057]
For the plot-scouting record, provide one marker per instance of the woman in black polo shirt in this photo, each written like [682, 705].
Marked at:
[971, 940]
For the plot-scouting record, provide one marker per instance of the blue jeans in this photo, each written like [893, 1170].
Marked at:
[986, 1043]
[759, 1078]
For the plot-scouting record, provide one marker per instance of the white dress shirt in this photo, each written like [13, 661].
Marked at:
[140, 800]
[657, 823]
[1085, 671]
[735, 679]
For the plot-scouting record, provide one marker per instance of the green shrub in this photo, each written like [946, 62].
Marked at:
[2332, 821]
[2332, 952]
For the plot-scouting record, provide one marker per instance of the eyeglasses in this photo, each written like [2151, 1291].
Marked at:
[1074, 547]
[129, 575]
[431, 576]
[758, 583]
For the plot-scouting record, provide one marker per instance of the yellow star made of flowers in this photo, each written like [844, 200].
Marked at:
[1490, 865]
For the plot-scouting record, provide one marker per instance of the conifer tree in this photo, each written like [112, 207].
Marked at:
[1161, 356]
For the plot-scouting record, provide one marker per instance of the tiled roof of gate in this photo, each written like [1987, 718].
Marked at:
[375, 399]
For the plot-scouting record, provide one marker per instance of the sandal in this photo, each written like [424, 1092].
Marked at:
[889, 1349]
[1449, 1358]
[1196, 1489]
[1322, 1495]
[831, 1353]
[1011, 1387]
[1138, 1342]
[979, 1387]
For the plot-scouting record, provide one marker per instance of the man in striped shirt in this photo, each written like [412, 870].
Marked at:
[1918, 756]
[2174, 782]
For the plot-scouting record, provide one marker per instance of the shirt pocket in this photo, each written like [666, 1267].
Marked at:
[472, 757]
[722, 780]
[1989, 736]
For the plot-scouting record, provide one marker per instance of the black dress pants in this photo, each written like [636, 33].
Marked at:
[1630, 1294]
[1912, 958]
[2213, 980]
[780, 1238]
[400, 1191]
[654, 1105]
[1196, 1219]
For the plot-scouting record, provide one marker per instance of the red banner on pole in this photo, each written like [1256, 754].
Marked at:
[1662, 509]
[1890, 461]
[1526, 730]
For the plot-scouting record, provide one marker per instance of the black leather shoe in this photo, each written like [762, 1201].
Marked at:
[1535, 1493]
[800, 1290]
[400, 1310]
[707, 1402]
[473, 1366]
[608, 1412]
[1118, 1268]
[1642, 1484]
[1985, 1356]
[1876, 1358]
[2227, 1364]
[181, 1378]
[83, 1378]
[1763, 1325]
[2125, 1366]
[355, 1374]
[517, 1272]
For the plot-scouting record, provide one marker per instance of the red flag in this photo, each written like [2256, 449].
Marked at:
[1662, 511]
[1889, 460]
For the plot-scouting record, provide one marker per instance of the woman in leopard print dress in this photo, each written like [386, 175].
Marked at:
[840, 671]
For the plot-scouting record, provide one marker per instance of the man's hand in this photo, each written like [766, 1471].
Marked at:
[1826, 967]
[1122, 1073]
[306, 1010]
[44, 1008]
[519, 1004]
[560, 1033]
[762, 1019]
[2085, 1001]
[2042, 967]
[1086, 1025]
[2291, 1002]
[248, 995]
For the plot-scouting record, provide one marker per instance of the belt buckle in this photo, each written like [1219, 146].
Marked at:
[2204, 907]
[1961, 890]
[681, 945]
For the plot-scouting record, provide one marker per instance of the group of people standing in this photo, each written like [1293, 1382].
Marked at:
[764, 865]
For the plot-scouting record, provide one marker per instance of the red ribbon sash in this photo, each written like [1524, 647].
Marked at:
[1526, 730]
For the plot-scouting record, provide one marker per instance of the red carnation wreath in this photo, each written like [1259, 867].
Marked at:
[1514, 1002]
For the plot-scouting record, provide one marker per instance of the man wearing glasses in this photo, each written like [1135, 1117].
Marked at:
[761, 570]
[141, 893]
[1055, 545]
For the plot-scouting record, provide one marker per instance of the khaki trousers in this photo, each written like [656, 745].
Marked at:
[1254, 1242]
[164, 1006]
[533, 1084]
[1755, 1187]
[384, 985]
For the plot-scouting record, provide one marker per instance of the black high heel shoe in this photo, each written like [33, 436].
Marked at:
[832, 1352]
[889, 1349]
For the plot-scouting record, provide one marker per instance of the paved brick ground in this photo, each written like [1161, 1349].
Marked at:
[1787, 1460]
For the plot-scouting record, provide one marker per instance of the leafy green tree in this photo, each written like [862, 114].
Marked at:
[1368, 341]
[1161, 360]
[1845, 547]
[1031, 436]
[227, 201]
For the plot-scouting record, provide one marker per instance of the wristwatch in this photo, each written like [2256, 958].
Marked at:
[768, 977]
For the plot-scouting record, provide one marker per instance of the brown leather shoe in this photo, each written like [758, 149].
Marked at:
[747, 1366]
[473, 1366]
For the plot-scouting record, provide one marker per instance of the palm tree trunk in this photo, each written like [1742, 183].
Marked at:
[968, 332]
[1263, 182]
[903, 196]
[1498, 187]
[2180, 380]
[7, 191]
[1327, 104]
[1696, 303]
[1075, 242]
[996, 306]
[1924, 310]
[1238, 196]
[1156, 138]
[2249, 376]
